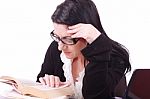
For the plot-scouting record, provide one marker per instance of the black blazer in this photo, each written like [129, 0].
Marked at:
[102, 73]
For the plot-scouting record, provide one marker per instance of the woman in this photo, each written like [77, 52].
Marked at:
[82, 53]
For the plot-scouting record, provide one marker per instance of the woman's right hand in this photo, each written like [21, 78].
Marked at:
[51, 81]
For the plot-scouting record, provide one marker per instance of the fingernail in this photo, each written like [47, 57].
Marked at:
[52, 85]
[72, 36]
[56, 85]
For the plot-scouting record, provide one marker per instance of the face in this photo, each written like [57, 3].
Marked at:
[70, 51]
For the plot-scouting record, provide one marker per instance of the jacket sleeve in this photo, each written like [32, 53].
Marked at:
[103, 71]
[52, 64]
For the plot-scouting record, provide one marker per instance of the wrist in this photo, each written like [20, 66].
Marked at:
[93, 37]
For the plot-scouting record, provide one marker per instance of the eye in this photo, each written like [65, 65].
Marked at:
[67, 39]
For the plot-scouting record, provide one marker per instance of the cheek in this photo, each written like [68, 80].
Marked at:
[77, 48]
[75, 51]
[81, 44]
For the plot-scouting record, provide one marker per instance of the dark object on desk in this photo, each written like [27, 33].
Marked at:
[139, 85]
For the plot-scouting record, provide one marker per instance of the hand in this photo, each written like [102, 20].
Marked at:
[51, 81]
[86, 31]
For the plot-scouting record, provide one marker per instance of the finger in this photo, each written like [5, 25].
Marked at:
[72, 31]
[47, 79]
[42, 81]
[57, 81]
[65, 83]
[52, 80]
[75, 26]
[77, 35]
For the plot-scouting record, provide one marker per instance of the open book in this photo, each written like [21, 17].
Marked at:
[26, 87]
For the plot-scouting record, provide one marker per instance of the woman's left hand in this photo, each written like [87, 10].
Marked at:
[86, 31]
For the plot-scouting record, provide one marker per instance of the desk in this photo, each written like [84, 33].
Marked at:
[1, 97]
[14, 95]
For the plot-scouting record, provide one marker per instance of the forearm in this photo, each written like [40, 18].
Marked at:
[103, 71]
[52, 64]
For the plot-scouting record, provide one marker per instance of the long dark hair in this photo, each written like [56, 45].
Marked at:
[72, 12]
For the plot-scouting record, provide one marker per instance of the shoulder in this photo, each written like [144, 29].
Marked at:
[119, 57]
[53, 45]
[53, 48]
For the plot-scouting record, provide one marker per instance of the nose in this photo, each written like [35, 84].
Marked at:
[61, 46]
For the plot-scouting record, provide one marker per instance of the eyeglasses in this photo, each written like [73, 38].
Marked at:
[65, 40]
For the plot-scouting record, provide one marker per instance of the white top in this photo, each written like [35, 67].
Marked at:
[68, 74]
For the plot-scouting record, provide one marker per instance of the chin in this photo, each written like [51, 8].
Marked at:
[69, 57]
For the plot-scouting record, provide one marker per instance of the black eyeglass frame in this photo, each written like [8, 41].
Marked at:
[57, 39]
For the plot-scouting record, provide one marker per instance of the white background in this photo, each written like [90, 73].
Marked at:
[25, 27]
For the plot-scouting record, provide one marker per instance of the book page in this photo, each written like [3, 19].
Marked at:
[10, 82]
[31, 88]
[29, 83]
[8, 92]
[45, 87]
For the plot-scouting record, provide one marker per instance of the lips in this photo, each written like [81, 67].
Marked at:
[67, 52]
[68, 55]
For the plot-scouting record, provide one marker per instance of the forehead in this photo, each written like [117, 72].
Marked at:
[60, 30]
